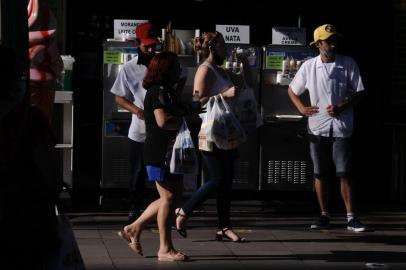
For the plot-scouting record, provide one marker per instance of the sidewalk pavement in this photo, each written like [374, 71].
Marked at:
[274, 242]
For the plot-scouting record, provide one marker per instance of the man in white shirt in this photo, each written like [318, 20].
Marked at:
[335, 86]
[129, 94]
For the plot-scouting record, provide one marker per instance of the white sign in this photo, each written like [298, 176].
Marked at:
[289, 35]
[125, 29]
[235, 33]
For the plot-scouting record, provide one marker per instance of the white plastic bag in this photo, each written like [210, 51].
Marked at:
[207, 122]
[226, 131]
[184, 158]
[246, 110]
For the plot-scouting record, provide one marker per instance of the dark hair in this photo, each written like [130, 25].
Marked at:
[202, 44]
[159, 69]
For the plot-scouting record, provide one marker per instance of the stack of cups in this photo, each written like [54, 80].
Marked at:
[67, 72]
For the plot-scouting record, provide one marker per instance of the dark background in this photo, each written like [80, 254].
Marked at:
[367, 30]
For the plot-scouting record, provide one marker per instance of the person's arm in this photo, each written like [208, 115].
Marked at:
[159, 102]
[203, 81]
[307, 111]
[335, 110]
[166, 121]
[354, 82]
[121, 88]
[129, 106]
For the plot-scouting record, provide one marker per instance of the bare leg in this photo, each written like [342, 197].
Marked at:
[181, 218]
[346, 193]
[150, 213]
[321, 187]
[167, 191]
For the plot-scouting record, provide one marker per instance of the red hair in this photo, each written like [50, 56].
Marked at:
[159, 69]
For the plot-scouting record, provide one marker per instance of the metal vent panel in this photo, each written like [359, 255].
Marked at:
[120, 170]
[287, 172]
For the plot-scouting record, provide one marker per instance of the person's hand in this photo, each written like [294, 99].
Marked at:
[140, 114]
[334, 110]
[309, 111]
[230, 92]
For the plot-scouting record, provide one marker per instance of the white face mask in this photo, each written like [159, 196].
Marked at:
[330, 55]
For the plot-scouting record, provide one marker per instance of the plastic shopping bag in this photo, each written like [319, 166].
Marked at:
[184, 158]
[246, 110]
[207, 122]
[226, 131]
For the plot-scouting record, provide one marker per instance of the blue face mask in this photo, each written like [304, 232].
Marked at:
[330, 55]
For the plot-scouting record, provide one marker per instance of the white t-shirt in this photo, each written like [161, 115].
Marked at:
[329, 84]
[128, 84]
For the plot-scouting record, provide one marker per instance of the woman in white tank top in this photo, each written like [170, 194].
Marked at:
[211, 80]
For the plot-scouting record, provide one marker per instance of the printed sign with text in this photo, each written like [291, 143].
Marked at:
[125, 29]
[239, 34]
[289, 35]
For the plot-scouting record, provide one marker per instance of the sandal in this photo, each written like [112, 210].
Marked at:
[182, 231]
[168, 257]
[133, 245]
[222, 234]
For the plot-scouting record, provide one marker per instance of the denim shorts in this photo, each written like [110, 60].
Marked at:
[323, 150]
[161, 174]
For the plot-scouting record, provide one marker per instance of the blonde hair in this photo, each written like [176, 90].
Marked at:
[201, 45]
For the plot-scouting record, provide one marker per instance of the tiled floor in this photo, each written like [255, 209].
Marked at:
[274, 242]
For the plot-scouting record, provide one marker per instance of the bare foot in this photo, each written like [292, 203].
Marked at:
[133, 230]
[132, 237]
[229, 234]
[181, 219]
[172, 256]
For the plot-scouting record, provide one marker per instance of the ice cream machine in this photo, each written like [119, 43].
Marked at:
[246, 165]
[116, 121]
[284, 158]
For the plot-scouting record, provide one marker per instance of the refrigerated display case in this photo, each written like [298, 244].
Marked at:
[284, 158]
[247, 164]
[116, 121]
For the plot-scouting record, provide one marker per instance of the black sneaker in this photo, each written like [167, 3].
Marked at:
[355, 225]
[322, 223]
